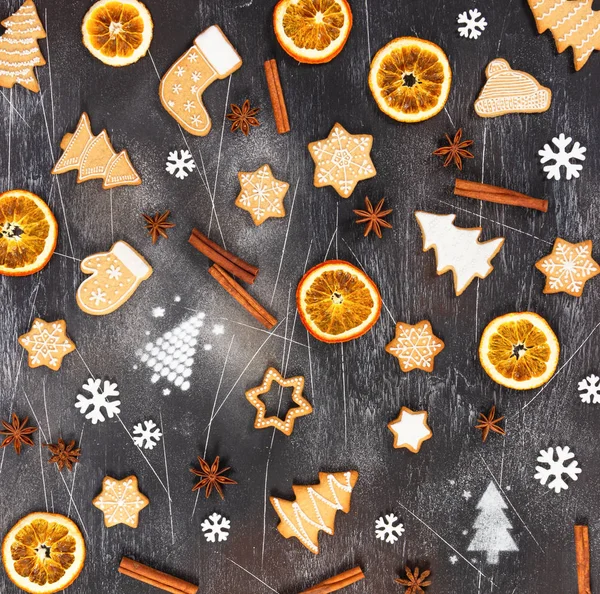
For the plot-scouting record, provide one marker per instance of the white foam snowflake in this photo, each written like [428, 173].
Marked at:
[556, 468]
[387, 529]
[147, 436]
[472, 24]
[562, 157]
[590, 389]
[98, 400]
[180, 165]
[216, 527]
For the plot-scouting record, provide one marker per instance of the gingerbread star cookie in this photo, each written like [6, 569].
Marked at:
[287, 424]
[47, 343]
[342, 160]
[120, 501]
[410, 429]
[568, 267]
[262, 194]
[416, 346]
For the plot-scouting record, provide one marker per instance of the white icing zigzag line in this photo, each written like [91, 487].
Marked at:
[585, 55]
[538, 4]
[577, 26]
[555, 7]
[24, 52]
[32, 62]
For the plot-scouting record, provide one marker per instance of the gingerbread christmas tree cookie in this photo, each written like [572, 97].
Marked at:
[416, 346]
[261, 194]
[120, 501]
[47, 343]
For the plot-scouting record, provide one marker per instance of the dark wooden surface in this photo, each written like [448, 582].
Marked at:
[355, 389]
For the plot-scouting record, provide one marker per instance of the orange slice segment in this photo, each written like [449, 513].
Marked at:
[519, 350]
[337, 302]
[312, 31]
[410, 79]
[118, 33]
[28, 233]
[43, 553]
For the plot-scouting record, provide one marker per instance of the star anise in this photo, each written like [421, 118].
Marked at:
[62, 454]
[489, 423]
[373, 217]
[455, 151]
[211, 477]
[242, 118]
[17, 433]
[414, 582]
[157, 224]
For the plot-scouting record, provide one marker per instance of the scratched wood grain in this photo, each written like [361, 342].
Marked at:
[356, 388]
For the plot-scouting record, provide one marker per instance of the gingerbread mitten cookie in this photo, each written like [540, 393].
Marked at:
[181, 88]
[115, 277]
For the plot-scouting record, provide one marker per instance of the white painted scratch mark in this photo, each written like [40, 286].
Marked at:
[85, 364]
[10, 117]
[46, 408]
[162, 430]
[43, 476]
[14, 108]
[344, 396]
[265, 332]
[112, 220]
[330, 243]
[449, 117]
[75, 471]
[250, 573]
[368, 33]
[49, 70]
[69, 257]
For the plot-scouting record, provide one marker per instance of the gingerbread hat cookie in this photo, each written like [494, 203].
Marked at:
[212, 56]
[510, 91]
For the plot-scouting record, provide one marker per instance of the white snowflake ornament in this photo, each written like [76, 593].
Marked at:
[98, 400]
[556, 468]
[590, 389]
[387, 529]
[562, 158]
[181, 165]
[147, 436]
[216, 528]
[473, 24]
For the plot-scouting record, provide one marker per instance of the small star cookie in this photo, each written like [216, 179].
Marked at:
[568, 267]
[410, 429]
[342, 160]
[415, 346]
[47, 343]
[286, 425]
[120, 501]
[262, 195]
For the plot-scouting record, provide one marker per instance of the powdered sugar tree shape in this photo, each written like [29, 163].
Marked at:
[180, 166]
[146, 436]
[457, 249]
[562, 158]
[98, 401]
[216, 528]
[556, 468]
[387, 529]
[472, 24]
[172, 355]
[590, 389]
[492, 527]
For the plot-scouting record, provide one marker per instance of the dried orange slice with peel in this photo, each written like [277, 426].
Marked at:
[410, 79]
[117, 32]
[43, 553]
[312, 31]
[519, 350]
[337, 302]
[28, 233]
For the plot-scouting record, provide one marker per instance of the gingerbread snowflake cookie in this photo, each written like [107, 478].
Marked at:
[342, 160]
[261, 194]
[416, 346]
[47, 343]
[120, 501]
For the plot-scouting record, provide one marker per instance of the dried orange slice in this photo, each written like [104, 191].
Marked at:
[117, 32]
[410, 79]
[28, 233]
[43, 553]
[337, 301]
[519, 350]
[312, 31]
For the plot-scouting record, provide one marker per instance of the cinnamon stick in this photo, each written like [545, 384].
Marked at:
[471, 189]
[337, 582]
[277, 100]
[244, 298]
[153, 577]
[223, 258]
[582, 557]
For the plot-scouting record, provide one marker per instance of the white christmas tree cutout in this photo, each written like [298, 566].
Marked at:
[492, 527]
[457, 249]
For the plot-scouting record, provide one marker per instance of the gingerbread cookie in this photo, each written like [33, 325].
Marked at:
[212, 56]
[47, 343]
[94, 158]
[261, 194]
[120, 501]
[116, 275]
[510, 91]
[410, 429]
[342, 160]
[416, 346]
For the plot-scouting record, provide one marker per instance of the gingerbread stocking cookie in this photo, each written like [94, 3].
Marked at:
[115, 277]
[181, 88]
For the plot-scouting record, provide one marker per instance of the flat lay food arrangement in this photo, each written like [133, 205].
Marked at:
[323, 316]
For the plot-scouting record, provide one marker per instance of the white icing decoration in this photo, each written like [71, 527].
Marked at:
[217, 50]
[410, 430]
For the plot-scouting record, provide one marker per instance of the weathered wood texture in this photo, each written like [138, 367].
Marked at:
[355, 389]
